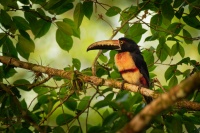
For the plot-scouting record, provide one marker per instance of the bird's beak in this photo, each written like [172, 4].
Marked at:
[105, 45]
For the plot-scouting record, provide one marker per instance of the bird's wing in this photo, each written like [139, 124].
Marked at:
[142, 66]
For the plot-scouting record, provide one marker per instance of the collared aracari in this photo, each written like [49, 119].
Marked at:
[128, 60]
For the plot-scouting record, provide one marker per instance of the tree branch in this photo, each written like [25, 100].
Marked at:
[141, 120]
[91, 79]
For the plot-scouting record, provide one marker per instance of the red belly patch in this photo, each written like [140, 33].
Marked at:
[143, 81]
[129, 70]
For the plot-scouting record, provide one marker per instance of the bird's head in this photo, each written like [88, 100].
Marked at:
[121, 45]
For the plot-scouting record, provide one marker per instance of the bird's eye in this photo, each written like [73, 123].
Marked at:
[121, 42]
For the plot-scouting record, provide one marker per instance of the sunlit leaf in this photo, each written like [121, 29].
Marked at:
[76, 31]
[64, 40]
[112, 11]
[83, 103]
[174, 49]
[135, 32]
[103, 58]
[181, 51]
[26, 45]
[78, 14]
[76, 63]
[41, 90]
[65, 28]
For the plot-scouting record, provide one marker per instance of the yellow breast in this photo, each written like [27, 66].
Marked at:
[124, 62]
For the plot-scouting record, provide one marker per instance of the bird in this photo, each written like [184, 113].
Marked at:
[129, 61]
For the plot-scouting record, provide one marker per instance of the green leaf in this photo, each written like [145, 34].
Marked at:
[65, 28]
[199, 48]
[112, 11]
[63, 119]
[40, 28]
[3, 38]
[162, 51]
[64, 40]
[148, 56]
[7, 71]
[71, 104]
[76, 31]
[30, 17]
[122, 97]
[135, 32]
[88, 8]
[76, 63]
[175, 28]
[190, 127]
[101, 104]
[173, 81]
[21, 23]
[27, 46]
[78, 14]
[24, 34]
[61, 7]
[43, 99]
[21, 52]
[167, 10]
[83, 103]
[174, 49]
[9, 49]
[103, 58]
[23, 104]
[177, 125]
[41, 90]
[170, 72]
[192, 21]
[128, 12]
[110, 119]
[58, 130]
[187, 37]
[75, 129]
[5, 19]
[184, 60]
[109, 97]
[181, 51]
[177, 3]
[179, 13]
[22, 84]
[155, 23]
